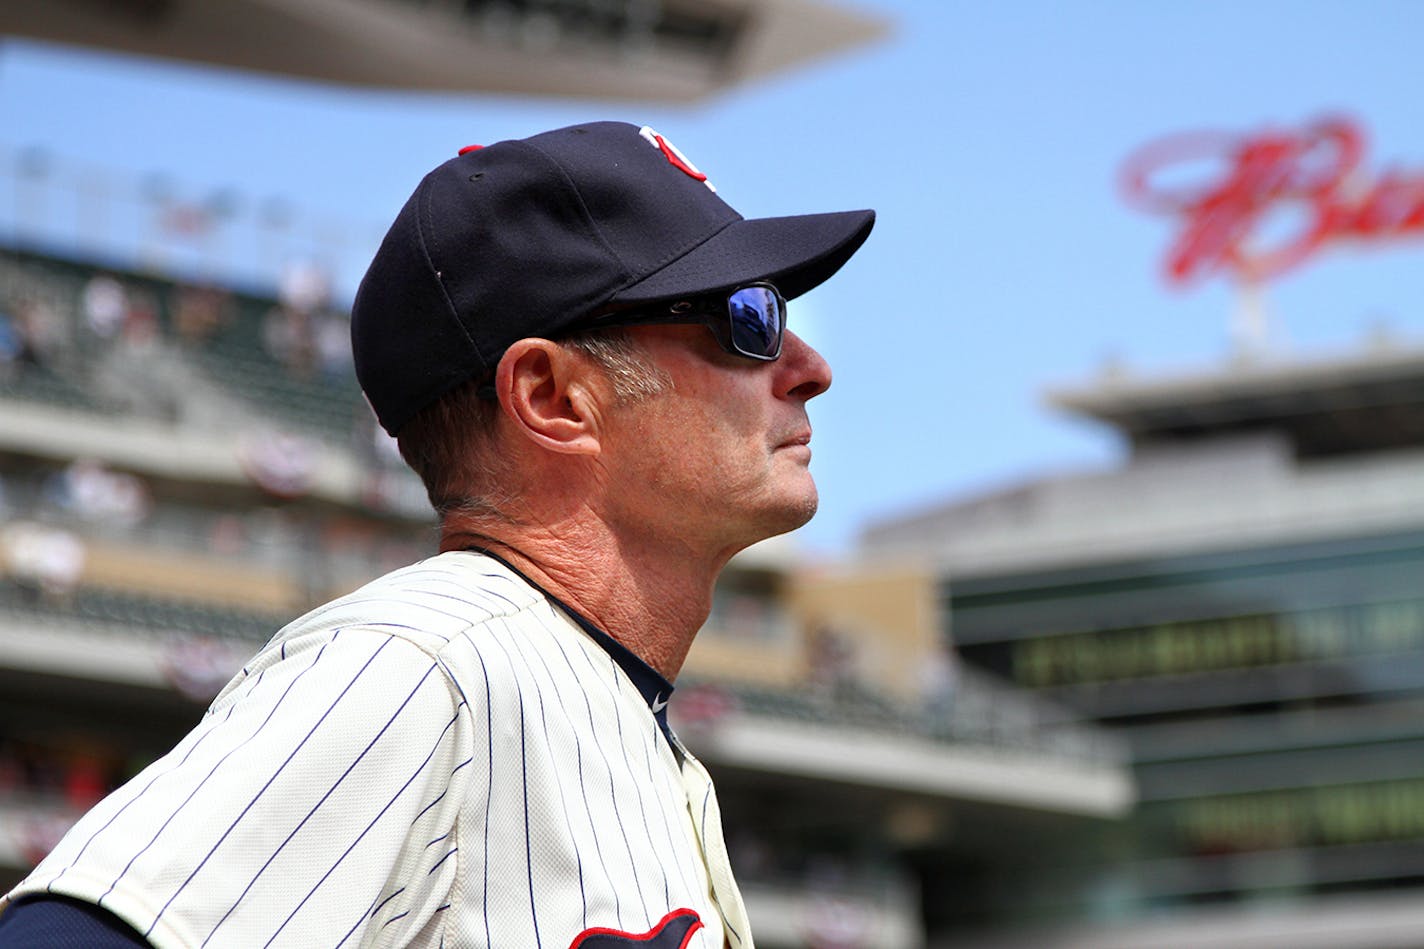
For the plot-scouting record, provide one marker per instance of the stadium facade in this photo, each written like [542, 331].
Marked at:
[1240, 602]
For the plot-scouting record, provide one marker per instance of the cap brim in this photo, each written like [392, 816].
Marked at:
[795, 253]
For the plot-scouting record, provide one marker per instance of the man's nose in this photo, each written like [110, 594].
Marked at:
[805, 372]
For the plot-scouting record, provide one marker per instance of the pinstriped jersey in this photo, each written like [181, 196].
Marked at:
[444, 758]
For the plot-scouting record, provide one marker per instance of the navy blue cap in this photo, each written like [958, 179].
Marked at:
[526, 237]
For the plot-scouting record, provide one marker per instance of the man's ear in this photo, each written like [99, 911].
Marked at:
[546, 390]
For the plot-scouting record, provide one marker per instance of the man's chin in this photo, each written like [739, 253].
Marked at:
[795, 512]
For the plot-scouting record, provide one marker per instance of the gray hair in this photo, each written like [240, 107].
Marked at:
[449, 443]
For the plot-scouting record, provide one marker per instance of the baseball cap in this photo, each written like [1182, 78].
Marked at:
[525, 237]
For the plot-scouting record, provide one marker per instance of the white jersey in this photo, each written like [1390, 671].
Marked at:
[444, 758]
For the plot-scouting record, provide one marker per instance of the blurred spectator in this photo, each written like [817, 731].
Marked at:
[199, 666]
[199, 312]
[304, 287]
[92, 492]
[46, 562]
[288, 338]
[105, 304]
[834, 920]
[333, 344]
[228, 536]
[85, 782]
[701, 707]
[79, 772]
[44, 335]
[295, 332]
[281, 464]
[831, 664]
[140, 324]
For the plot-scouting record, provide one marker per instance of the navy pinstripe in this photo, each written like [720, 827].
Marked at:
[363, 772]
[49, 887]
[280, 768]
[524, 793]
[204, 781]
[598, 847]
[489, 794]
[563, 804]
[317, 806]
[622, 825]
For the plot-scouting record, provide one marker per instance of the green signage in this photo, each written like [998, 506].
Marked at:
[1210, 645]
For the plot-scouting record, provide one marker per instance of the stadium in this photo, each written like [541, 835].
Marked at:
[1027, 718]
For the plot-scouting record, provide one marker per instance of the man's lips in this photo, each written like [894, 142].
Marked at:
[800, 439]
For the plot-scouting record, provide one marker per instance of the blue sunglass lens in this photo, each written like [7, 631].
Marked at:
[756, 321]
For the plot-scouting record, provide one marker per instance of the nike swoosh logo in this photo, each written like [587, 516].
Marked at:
[659, 704]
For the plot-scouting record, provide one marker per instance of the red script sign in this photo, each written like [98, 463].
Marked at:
[1314, 175]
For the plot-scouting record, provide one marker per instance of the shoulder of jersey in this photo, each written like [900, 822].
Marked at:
[428, 602]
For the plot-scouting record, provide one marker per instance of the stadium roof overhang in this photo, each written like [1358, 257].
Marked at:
[641, 50]
[1369, 400]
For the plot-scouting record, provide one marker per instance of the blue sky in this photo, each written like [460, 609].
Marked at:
[987, 136]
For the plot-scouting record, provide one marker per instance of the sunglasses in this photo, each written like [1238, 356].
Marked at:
[747, 322]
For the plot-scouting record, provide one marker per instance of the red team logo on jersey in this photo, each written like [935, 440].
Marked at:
[673, 931]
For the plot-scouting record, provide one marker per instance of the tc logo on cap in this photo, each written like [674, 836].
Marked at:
[675, 157]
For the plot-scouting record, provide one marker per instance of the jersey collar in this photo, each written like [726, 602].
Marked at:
[650, 683]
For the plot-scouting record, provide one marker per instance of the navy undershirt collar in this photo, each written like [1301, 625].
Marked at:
[650, 683]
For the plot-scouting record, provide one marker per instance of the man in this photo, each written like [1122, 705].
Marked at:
[581, 349]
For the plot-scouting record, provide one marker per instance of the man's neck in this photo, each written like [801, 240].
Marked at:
[653, 602]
